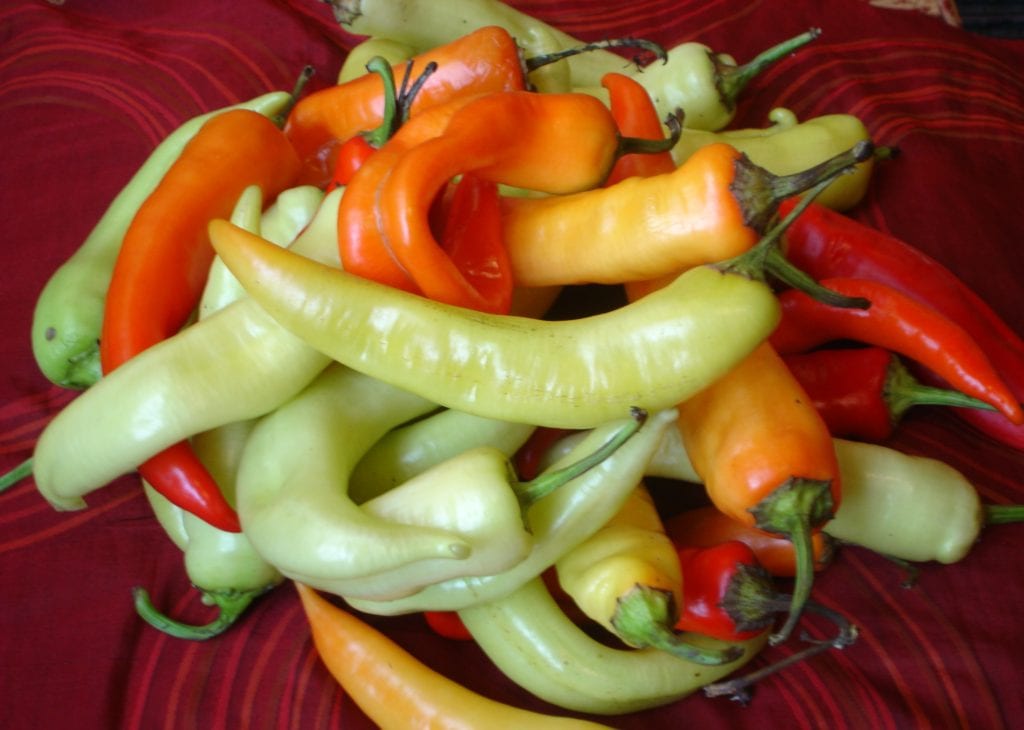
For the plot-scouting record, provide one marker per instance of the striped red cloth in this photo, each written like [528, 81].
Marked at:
[87, 90]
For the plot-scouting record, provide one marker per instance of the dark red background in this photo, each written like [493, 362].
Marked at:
[87, 89]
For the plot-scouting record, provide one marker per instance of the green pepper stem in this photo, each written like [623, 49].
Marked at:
[534, 62]
[740, 688]
[792, 510]
[903, 391]
[731, 80]
[231, 605]
[397, 100]
[785, 186]
[16, 474]
[300, 83]
[766, 258]
[645, 617]
[531, 491]
[1003, 514]
[639, 145]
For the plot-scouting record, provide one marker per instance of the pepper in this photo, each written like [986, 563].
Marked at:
[530, 639]
[413, 448]
[361, 243]
[589, 371]
[68, 314]
[712, 207]
[788, 146]
[396, 690]
[552, 143]
[458, 519]
[864, 392]
[827, 244]
[635, 116]
[563, 520]
[391, 50]
[899, 323]
[730, 596]
[626, 577]
[223, 566]
[910, 507]
[164, 258]
[237, 364]
[705, 527]
[703, 83]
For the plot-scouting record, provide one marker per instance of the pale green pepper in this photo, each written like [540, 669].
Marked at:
[235, 364]
[68, 314]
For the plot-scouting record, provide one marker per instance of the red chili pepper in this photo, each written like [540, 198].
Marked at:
[727, 593]
[828, 244]
[896, 322]
[636, 116]
[864, 392]
[163, 262]
[704, 527]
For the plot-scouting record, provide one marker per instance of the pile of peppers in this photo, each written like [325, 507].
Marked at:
[315, 325]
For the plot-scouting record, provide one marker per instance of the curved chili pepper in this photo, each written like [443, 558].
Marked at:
[730, 596]
[713, 206]
[554, 143]
[394, 689]
[704, 527]
[898, 323]
[163, 262]
[827, 244]
[635, 115]
[864, 392]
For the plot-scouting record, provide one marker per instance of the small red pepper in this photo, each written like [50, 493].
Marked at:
[705, 527]
[901, 324]
[447, 624]
[864, 392]
[828, 244]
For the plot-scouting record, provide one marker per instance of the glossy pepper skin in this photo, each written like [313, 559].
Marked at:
[396, 690]
[563, 519]
[237, 364]
[482, 61]
[592, 370]
[68, 315]
[898, 323]
[863, 392]
[787, 146]
[827, 244]
[552, 143]
[163, 262]
[626, 577]
[910, 507]
[710, 208]
[635, 116]
[766, 457]
[534, 643]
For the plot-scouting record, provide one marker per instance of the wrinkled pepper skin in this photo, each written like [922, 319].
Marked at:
[650, 354]
[68, 314]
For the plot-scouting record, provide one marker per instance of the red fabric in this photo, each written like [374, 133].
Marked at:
[86, 91]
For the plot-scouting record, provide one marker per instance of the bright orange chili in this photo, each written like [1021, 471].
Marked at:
[766, 457]
[482, 61]
[900, 323]
[712, 207]
[554, 143]
[164, 259]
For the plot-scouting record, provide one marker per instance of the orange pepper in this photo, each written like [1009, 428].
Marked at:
[636, 116]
